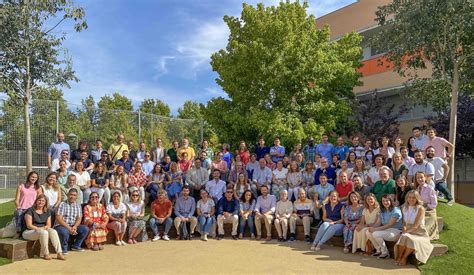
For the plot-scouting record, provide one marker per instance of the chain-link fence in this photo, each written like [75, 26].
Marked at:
[77, 122]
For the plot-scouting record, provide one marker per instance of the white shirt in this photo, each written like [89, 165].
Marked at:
[205, 207]
[438, 168]
[82, 179]
[55, 165]
[280, 174]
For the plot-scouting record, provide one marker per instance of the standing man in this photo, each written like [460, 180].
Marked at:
[264, 209]
[421, 165]
[173, 151]
[147, 164]
[441, 169]
[197, 177]
[325, 148]
[132, 153]
[68, 223]
[158, 152]
[439, 145]
[261, 150]
[56, 148]
[142, 151]
[115, 150]
[277, 151]
[356, 148]
[420, 138]
[184, 212]
[227, 212]
[97, 152]
[341, 149]
[186, 149]
[309, 150]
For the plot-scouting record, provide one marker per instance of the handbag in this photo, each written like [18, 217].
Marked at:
[9, 230]
[369, 247]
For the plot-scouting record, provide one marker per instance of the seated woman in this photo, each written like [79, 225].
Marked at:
[83, 180]
[174, 182]
[402, 189]
[117, 212]
[62, 173]
[241, 186]
[352, 217]
[24, 199]
[119, 183]
[283, 211]
[279, 179]
[52, 191]
[386, 228]
[96, 218]
[135, 218]
[220, 165]
[414, 238]
[307, 176]
[430, 201]
[205, 209]
[370, 214]
[333, 223]
[155, 181]
[38, 227]
[100, 182]
[137, 178]
[239, 168]
[246, 213]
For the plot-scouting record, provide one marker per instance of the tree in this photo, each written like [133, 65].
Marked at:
[434, 34]
[283, 76]
[30, 51]
[156, 107]
[116, 116]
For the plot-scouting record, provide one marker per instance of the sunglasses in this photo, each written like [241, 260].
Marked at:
[135, 195]
[229, 192]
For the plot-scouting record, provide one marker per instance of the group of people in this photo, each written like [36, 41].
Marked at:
[367, 195]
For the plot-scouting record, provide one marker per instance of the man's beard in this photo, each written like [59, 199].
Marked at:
[430, 156]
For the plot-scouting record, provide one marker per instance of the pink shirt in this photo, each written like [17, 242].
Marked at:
[27, 196]
[439, 144]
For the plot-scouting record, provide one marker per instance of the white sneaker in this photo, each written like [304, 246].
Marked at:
[123, 243]
[450, 203]
[156, 238]
[166, 238]
[119, 243]
[205, 237]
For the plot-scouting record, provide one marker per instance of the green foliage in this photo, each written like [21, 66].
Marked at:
[283, 76]
[156, 107]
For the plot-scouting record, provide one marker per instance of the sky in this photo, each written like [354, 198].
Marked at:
[155, 48]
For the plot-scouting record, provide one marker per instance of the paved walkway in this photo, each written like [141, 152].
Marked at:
[213, 257]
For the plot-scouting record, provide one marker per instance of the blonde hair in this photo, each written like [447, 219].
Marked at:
[366, 205]
[419, 200]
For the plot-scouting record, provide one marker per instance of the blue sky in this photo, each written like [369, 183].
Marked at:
[155, 48]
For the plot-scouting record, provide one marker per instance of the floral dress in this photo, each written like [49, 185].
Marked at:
[99, 217]
[353, 218]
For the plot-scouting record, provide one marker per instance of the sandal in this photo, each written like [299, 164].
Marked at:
[47, 257]
[95, 247]
[61, 257]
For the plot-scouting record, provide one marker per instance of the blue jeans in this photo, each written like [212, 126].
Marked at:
[205, 224]
[326, 231]
[250, 222]
[20, 220]
[154, 225]
[443, 188]
[63, 233]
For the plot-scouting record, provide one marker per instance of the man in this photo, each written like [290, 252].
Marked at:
[441, 169]
[252, 165]
[116, 150]
[70, 184]
[356, 148]
[142, 151]
[407, 160]
[56, 148]
[261, 176]
[439, 144]
[76, 154]
[216, 186]
[277, 151]
[341, 149]
[161, 210]
[261, 150]
[97, 152]
[205, 162]
[165, 164]
[64, 156]
[329, 171]
[186, 149]
[68, 223]
[309, 150]
[227, 212]
[302, 212]
[132, 153]
[325, 148]
[421, 165]
[158, 152]
[184, 212]
[319, 193]
[125, 161]
[420, 138]
[367, 146]
[196, 178]
[264, 209]
[84, 158]
[173, 151]
[147, 164]
[385, 185]
[109, 165]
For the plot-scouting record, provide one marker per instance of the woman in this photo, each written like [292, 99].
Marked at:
[100, 182]
[220, 165]
[294, 180]
[397, 144]
[136, 214]
[373, 174]
[414, 238]
[307, 176]
[227, 155]
[411, 146]
[119, 183]
[155, 181]
[352, 217]
[52, 191]
[38, 227]
[205, 209]
[26, 194]
[370, 214]
[173, 182]
[333, 223]
[246, 214]
[241, 185]
[351, 159]
[430, 201]
[359, 170]
[83, 180]
[243, 152]
[369, 159]
[96, 218]
[205, 148]
[117, 212]
[137, 178]
[279, 179]
[295, 151]
[403, 187]
[386, 150]
[344, 168]
[386, 228]
[62, 173]
[336, 164]
[270, 163]
[398, 166]
[283, 211]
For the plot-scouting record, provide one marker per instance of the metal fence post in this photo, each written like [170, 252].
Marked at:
[202, 129]
[139, 126]
[57, 116]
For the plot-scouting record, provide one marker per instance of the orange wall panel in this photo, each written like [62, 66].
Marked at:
[375, 66]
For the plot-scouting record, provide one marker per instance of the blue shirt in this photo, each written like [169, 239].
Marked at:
[128, 164]
[227, 157]
[333, 215]
[262, 176]
[147, 167]
[280, 149]
[261, 151]
[330, 173]
[309, 152]
[386, 216]
[56, 148]
[341, 151]
[323, 191]
[232, 206]
[184, 207]
[325, 150]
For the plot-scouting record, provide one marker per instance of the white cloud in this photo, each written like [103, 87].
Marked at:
[161, 66]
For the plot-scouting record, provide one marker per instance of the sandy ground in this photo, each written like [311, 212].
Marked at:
[212, 257]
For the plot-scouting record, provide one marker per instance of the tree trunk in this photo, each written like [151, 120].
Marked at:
[26, 109]
[453, 125]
